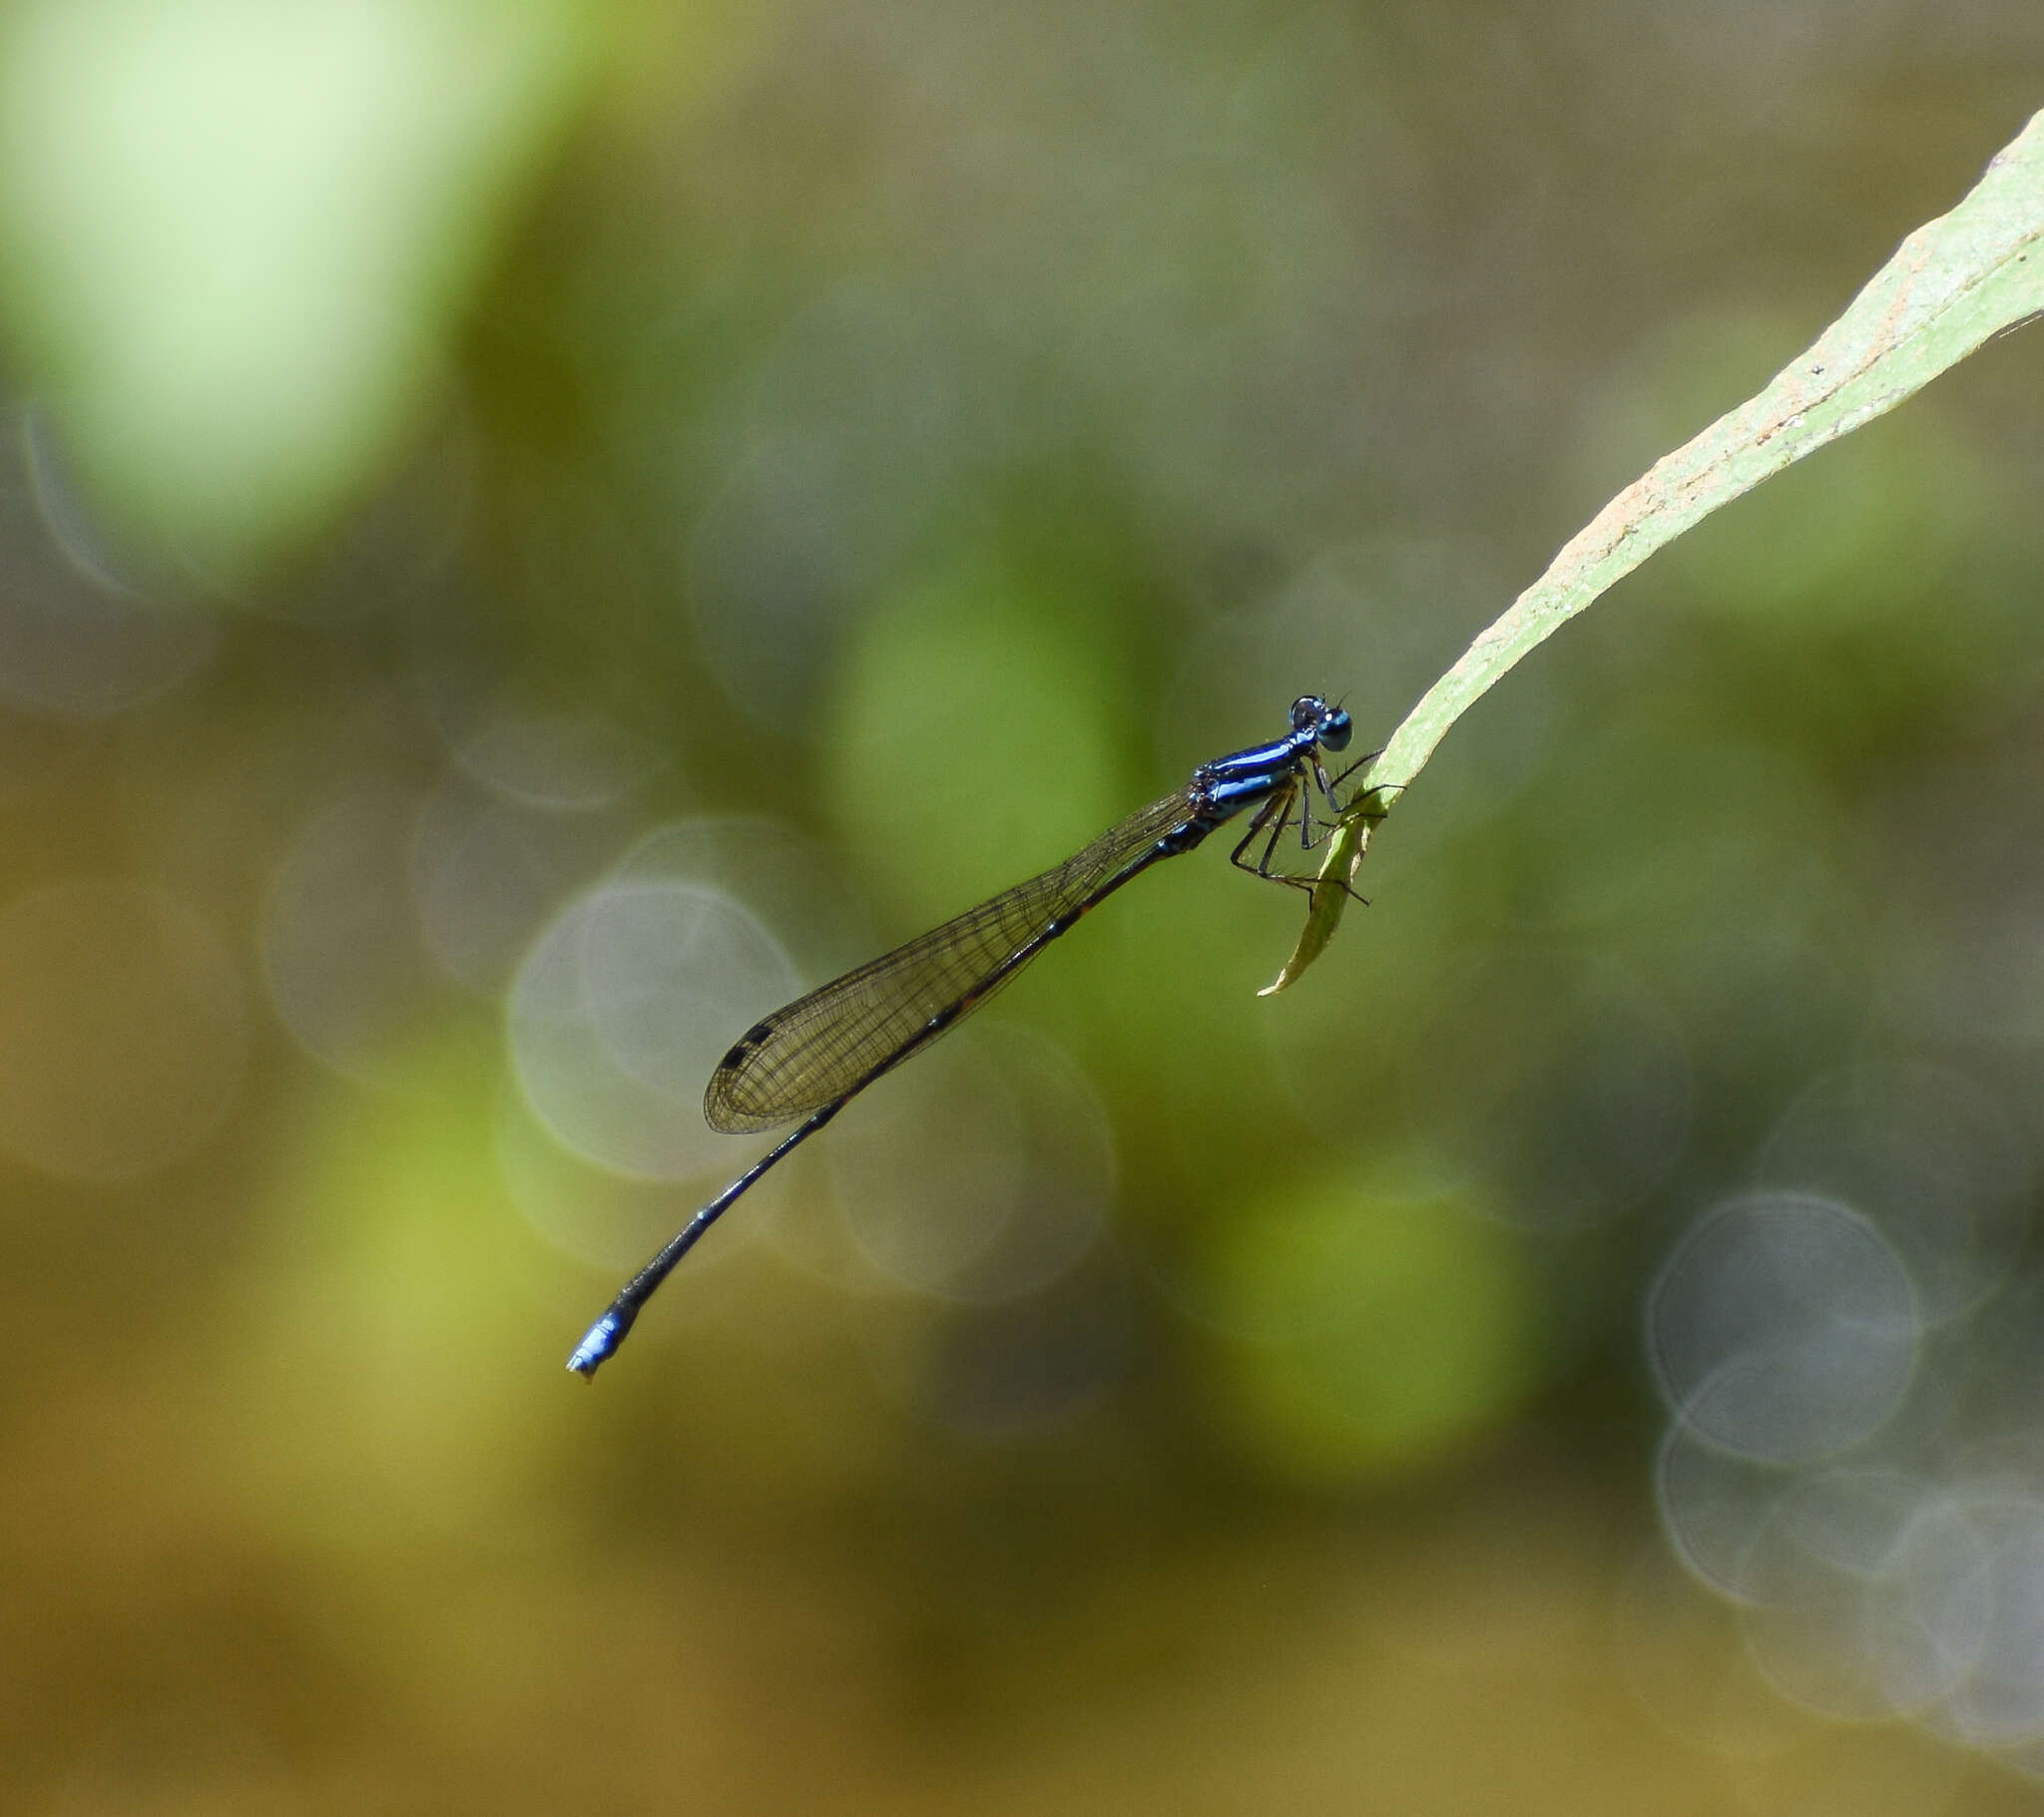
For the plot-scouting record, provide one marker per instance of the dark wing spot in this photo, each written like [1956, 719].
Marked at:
[744, 1047]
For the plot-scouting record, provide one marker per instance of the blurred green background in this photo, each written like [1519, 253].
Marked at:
[532, 530]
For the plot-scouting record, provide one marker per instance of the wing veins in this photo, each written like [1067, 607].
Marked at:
[824, 1047]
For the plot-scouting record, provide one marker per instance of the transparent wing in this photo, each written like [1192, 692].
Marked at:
[826, 1044]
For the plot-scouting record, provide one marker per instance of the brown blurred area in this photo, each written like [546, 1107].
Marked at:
[531, 534]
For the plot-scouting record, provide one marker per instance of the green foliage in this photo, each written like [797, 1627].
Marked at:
[1953, 285]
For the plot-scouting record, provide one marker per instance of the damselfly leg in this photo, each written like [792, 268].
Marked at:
[1276, 814]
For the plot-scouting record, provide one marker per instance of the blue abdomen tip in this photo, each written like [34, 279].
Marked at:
[601, 1340]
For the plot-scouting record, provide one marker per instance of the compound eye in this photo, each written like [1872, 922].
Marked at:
[1308, 711]
[1336, 729]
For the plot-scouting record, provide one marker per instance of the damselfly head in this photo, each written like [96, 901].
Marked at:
[1329, 725]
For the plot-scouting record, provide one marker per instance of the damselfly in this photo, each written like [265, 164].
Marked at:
[812, 1057]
